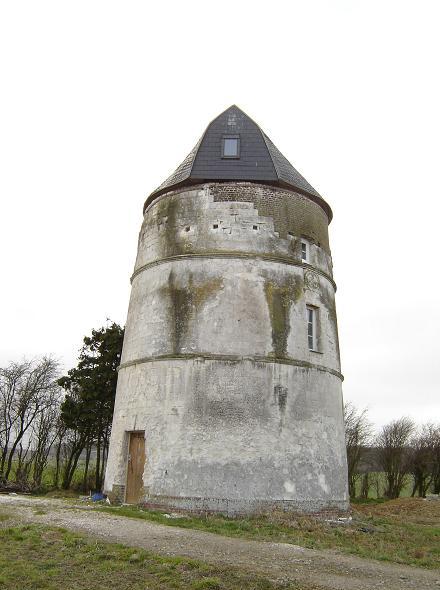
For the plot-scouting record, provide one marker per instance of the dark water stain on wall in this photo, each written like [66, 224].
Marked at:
[327, 299]
[187, 298]
[280, 295]
[280, 397]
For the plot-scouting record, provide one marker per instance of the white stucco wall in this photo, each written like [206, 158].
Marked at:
[238, 413]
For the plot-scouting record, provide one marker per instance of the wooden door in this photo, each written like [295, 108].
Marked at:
[135, 469]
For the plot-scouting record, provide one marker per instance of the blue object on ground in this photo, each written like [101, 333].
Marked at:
[97, 497]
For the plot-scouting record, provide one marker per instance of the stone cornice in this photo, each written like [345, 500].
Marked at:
[234, 255]
[202, 357]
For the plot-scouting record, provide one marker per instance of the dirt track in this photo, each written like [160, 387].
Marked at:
[276, 561]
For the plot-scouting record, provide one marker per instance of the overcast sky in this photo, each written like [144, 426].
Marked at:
[100, 101]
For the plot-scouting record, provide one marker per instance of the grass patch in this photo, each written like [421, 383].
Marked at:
[63, 494]
[4, 516]
[40, 557]
[40, 512]
[372, 501]
[213, 583]
[384, 531]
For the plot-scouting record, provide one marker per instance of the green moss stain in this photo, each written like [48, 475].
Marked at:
[178, 213]
[180, 310]
[168, 210]
[205, 291]
[186, 301]
[280, 296]
[327, 300]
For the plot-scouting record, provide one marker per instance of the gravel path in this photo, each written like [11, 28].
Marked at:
[276, 561]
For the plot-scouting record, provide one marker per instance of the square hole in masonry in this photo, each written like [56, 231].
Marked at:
[215, 226]
[255, 227]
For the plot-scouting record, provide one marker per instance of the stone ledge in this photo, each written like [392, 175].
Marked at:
[232, 358]
[232, 255]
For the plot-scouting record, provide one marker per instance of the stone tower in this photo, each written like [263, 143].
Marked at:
[229, 390]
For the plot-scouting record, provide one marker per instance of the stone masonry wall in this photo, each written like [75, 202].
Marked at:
[290, 211]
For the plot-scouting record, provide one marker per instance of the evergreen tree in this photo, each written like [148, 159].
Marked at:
[88, 407]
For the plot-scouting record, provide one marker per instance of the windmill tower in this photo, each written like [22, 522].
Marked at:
[229, 390]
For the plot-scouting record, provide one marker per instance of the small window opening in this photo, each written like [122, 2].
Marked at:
[231, 146]
[187, 228]
[255, 227]
[305, 251]
[215, 226]
[312, 327]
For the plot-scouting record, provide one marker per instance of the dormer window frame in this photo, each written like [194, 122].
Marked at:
[236, 156]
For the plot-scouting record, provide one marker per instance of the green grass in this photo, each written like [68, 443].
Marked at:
[61, 494]
[371, 501]
[39, 511]
[4, 516]
[369, 535]
[49, 476]
[40, 557]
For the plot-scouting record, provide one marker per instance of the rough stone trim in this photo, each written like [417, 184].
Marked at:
[232, 255]
[232, 358]
[197, 183]
[117, 494]
[191, 504]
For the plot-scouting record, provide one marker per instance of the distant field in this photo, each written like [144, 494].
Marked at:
[49, 475]
[378, 484]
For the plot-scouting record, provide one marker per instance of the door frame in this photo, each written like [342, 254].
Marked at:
[128, 434]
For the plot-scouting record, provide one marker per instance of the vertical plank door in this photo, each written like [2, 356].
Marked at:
[135, 470]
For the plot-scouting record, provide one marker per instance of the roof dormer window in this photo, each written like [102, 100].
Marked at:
[231, 146]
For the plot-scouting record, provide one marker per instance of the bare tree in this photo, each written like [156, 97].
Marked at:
[357, 436]
[23, 466]
[422, 458]
[44, 434]
[61, 429]
[393, 454]
[376, 483]
[74, 442]
[11, 380]
[27, 391]
[436, 460]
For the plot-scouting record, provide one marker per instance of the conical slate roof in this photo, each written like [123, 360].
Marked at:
[259, 160]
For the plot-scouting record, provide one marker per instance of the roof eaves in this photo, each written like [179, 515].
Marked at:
[314, 196]
[264, 136]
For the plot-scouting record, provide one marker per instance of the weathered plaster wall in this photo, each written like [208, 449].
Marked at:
[231, 434]
[261, 221]
[238, 412]
[233, 307]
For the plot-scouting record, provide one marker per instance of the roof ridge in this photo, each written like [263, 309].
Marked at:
[264, 136]
[196, 150]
